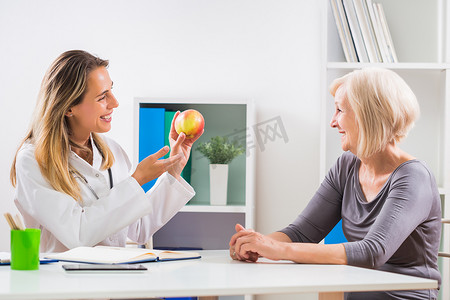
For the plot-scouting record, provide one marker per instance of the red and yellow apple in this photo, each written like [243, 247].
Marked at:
[190, 122]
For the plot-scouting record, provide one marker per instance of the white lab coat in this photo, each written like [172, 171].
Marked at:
[121, 212]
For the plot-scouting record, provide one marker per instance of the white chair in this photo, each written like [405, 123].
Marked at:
[444, 254]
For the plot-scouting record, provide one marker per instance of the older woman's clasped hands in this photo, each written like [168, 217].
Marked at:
[248, 245]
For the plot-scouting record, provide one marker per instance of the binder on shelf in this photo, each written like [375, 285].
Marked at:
[355, 31]
[168, 116]
[362, 28]
[362, 14]
[344, 32]
[387, 34]
[336, 235]
[378, 31]
[151, 134]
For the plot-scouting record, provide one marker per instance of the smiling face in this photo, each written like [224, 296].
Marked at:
[94, 112]
[344, 120]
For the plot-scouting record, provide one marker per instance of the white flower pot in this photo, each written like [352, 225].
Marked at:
[218, 183]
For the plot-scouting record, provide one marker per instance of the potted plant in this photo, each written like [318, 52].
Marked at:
[220, 152]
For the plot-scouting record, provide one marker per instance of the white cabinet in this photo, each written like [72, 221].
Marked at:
[420, 34]
[198, 224]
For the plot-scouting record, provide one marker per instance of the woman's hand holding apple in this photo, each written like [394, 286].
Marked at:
[190, 125]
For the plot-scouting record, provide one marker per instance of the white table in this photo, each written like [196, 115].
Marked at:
[214, 274]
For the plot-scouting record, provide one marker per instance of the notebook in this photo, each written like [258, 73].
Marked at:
[120, 255]
[5, 259]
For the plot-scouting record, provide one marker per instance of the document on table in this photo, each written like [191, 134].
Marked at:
[119, 255]
[5, 259]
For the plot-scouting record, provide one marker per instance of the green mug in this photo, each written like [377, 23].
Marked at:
[25, 249]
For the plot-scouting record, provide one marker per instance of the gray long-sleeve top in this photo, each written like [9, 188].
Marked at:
[398, 231]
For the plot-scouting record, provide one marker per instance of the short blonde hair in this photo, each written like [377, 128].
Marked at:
[385, 107]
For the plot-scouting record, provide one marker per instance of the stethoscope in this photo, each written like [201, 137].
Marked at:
[86, 183]
[77, 174]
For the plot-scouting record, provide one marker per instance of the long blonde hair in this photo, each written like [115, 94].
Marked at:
[64, 86]
[385, 107]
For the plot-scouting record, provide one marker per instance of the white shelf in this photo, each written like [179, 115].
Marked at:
[199, 224]
[212, 209]
[398, 66]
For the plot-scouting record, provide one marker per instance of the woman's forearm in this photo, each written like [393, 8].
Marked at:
[280, 236]
[309, 252]
[316, 253]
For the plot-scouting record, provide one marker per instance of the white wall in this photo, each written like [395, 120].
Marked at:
[265, 50]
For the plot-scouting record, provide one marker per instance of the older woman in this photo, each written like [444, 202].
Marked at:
[387, 199]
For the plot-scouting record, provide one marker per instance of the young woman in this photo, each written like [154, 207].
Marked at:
[74, 183]
[387, 199]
